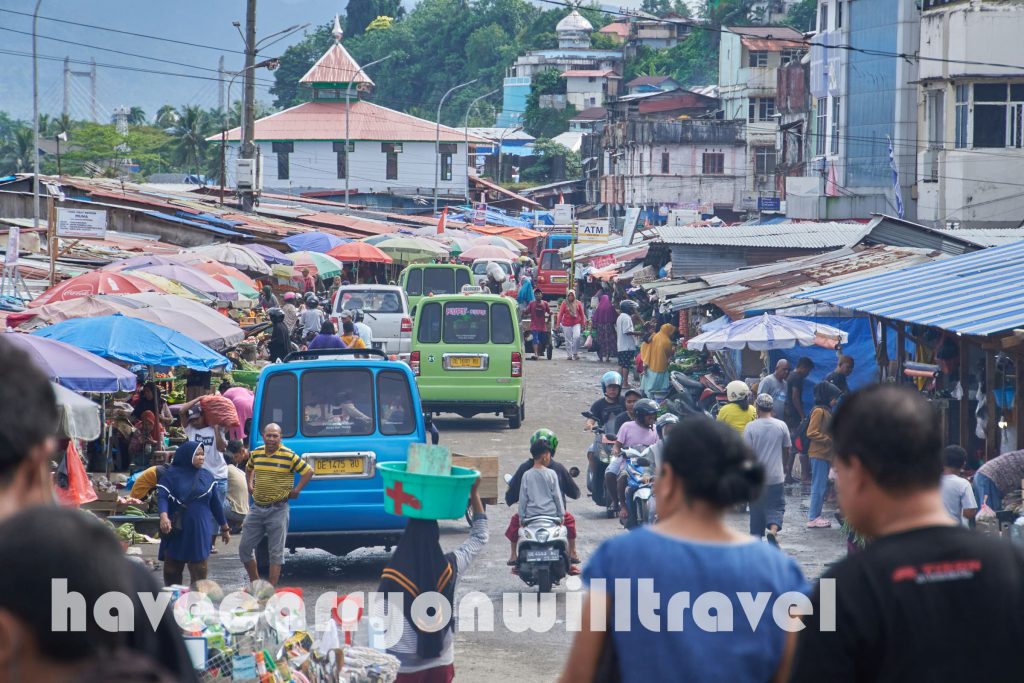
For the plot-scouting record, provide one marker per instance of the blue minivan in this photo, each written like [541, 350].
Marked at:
[343, 411]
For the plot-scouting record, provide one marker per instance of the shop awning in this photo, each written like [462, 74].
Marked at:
[980, 293]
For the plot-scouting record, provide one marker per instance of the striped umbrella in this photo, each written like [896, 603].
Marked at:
[318, 264]
[767, 333]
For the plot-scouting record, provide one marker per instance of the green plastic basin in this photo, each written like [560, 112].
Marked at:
[426, 496]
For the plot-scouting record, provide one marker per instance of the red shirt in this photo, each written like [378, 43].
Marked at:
[570, 316]
[538, 312]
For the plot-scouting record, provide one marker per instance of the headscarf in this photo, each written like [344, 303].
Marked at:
[183, 481]
[419, 566]
[659, 349]
[605, 313]
[144, 404]
[157, 432]
[525, 295]
[825, 393]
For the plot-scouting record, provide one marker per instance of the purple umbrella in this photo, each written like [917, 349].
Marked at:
[269, 254]
[72, 367]
[193, 278]
[141, 262]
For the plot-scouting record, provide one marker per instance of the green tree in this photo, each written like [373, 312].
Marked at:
[190, 133]
[166, 116]
[802, 15]
[358, 15]
[136, 116]
[545, 122]
[61, 124]
[552, 162]
[16, 151]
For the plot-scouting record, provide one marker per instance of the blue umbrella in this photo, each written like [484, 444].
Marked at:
[321, 242]
[134, 341]
[72, 367]
[269, 254]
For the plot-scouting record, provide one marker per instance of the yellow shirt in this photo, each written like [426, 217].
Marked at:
[274, 474]
[732, 415]
[353, 342]
[144, 484]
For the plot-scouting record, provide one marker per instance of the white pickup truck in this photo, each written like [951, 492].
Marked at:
[385, 310]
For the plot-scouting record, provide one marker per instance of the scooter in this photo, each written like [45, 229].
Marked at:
[596, 468]
[542, 550]
[638, 480]
[713, 397]
[683, 395]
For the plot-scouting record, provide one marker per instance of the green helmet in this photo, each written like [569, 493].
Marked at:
[545, 435]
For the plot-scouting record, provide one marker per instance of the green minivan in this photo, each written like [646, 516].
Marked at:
[467, 356]
[420, 279]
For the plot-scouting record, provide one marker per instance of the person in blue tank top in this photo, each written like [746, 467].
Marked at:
[690, 599]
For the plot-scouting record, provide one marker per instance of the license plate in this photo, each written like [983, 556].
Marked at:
[467, 362]
[378, 345]
[559, 279]
[543, 555]
[332, 466]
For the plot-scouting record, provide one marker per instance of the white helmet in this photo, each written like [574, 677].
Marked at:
[737, 390]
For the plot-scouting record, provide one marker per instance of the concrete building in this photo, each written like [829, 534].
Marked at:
[661, 34]
[587, 88]
[573, 54]
[392, 155]
[970, 147]
[860, 99]
[749, 58]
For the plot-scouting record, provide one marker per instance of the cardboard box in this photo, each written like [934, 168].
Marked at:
[487, 466]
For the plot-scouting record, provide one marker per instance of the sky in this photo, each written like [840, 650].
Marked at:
[207, 23]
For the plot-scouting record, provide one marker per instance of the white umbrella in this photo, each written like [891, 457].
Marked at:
[230, 254]
[191, 318]
[767, 333]
[79, 417]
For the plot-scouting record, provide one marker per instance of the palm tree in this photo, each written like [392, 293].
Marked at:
[45, 123]
[166, 116]
[136, 116]
[61, 124]
[17, 151]
[190, 131]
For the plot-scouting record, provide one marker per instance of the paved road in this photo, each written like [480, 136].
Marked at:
[556, 393]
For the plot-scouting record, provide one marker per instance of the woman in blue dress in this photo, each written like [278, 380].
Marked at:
[188, 510]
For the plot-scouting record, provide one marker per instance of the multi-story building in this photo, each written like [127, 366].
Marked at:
[970, 149]
[861, 99]
[749, 57]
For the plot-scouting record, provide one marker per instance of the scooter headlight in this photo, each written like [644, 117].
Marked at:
[542, 535]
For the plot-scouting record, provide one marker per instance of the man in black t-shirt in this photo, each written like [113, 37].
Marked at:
[921, 578]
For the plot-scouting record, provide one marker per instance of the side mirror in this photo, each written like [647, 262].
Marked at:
[574, 472]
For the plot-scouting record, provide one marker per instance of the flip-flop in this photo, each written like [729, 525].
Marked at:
[575, 560]
[573, 570]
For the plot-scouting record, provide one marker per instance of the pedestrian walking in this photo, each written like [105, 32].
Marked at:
[776, 385]
[625, 339]
[840, 376]
[188, 505]
[768, 437]
[426, 653]
[706, 470]
[920, 574]
[826, 395]
[538, 310]
[659, 354]
[571, 318]
[214, 443]
[796, 417]
[270, 474]
[604, 322]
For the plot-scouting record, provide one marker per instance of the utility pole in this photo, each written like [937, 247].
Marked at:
[93, 93]
[249, 94]
[220, 84]
[67, 84]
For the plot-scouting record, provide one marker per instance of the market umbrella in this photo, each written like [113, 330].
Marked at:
[767, 333]
[212, 268]
[239, 286]
[96, 282]
[72, 366]
[233, 255]
[140, 261]
[488, 252]
[504, 242]
[407, 249]
[134, 341]
[166, 286]
[317, 263]
[269, 255]
[377, 239]
[359, 252]
[216, 331]
[321, 242]
[82, 307]
[79, 417]
[161, 300]
[194, 278]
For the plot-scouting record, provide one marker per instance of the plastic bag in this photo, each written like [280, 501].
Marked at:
[589, 343]
[986, 521]
[79, 490]
[219, 411]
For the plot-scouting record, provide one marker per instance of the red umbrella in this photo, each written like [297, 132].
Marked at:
[359, 251]
[96, 282]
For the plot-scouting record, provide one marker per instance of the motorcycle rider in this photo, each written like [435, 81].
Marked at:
[291, 314]
[654, 454]
[565, 484]
[605, 409]
[280, 343]
[738, 413]
[636, 434]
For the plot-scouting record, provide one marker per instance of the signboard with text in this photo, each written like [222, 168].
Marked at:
[598, 232]
[769, 204]
[562, 214]
[480, 214]
[81, 223]
[629, 224]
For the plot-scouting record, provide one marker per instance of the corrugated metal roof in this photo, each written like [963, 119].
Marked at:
[780, 235]
[336, 66]
[584, 73]
[985, 237]
[980, 293]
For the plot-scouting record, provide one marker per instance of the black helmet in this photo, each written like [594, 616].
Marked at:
[645, 407]
[275, 314]
[629, 306]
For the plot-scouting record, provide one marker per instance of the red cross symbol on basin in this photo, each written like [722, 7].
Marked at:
[400, 498]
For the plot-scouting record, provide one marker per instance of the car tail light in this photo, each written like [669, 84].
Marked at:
[414, 362]
[406, 325]
[517, 364]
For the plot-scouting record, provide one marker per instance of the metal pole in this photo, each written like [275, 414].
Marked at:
[348, 94]
[249, 96]
[35, 122]
[57, 138]
[465, 131]
[437, 136]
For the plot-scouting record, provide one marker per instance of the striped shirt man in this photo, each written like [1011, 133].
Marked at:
[274, 473]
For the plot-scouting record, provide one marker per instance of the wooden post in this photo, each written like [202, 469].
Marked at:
[901, 350]
[51, 236]
[965, 402]
[991, 429]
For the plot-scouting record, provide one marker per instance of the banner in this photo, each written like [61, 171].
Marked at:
[480, 214]
[81, 223]
[593, 233]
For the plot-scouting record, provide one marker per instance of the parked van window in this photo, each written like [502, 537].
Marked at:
[394, 404]
[371, 301]
[551, 260]
[502, 327]
[337, 402]
[278, 404]
[466, 323]
[442, 280]
[430, 324]
[414, 285]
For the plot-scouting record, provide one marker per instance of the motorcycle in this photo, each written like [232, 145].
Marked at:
[683, 396]
[596, 468]
[638, 480]
[542, 551]
[713, 397]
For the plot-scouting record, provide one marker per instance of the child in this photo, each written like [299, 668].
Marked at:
[957, 495]
[539, 493]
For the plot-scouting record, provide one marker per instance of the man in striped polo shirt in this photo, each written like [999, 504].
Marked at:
[270, 474]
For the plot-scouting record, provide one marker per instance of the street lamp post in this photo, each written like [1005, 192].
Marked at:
[348, 94]
[465, 131]
[35, 123]
[437, 136]
[270, 65]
